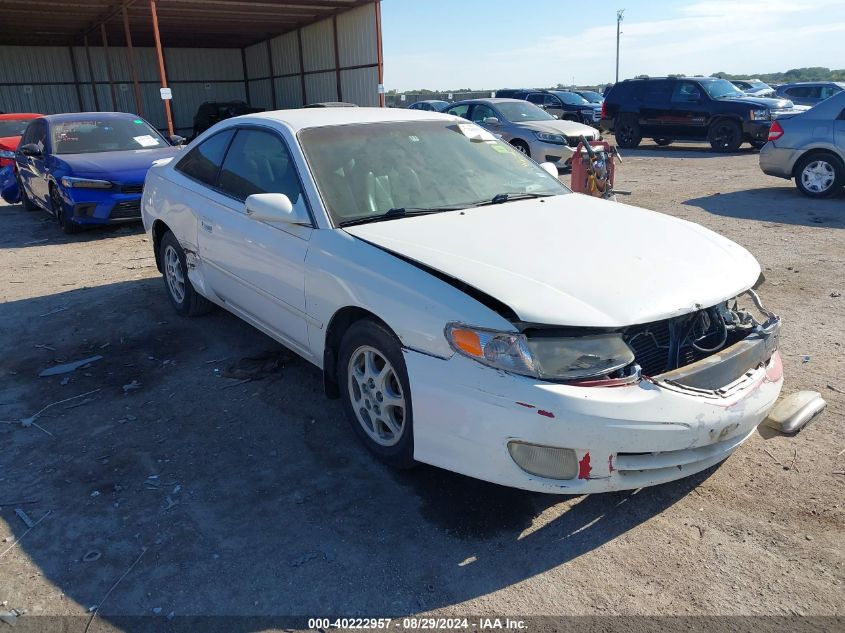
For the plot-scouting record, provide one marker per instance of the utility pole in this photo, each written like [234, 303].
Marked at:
[620, 15]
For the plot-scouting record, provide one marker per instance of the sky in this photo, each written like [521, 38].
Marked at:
[489, 44]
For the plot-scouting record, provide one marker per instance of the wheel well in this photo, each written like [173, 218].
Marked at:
[518, 141]
[159, 229]
[339, 323]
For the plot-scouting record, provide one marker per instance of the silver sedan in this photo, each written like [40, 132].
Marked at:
[530, 129]
[809, 147]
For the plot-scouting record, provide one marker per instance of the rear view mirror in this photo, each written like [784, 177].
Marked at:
[31, 149]
[272, 207]
[550, 169]
[491, 120]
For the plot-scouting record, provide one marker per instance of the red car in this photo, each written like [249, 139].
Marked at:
[12, 126]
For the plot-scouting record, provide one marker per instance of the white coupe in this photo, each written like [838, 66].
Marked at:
[471, 311]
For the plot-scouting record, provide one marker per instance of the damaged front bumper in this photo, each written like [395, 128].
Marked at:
[642, 433]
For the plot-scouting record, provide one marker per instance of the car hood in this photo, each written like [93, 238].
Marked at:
[567, 128]
[127, 166]
[575, 260]
[773, 104]
[9, 142]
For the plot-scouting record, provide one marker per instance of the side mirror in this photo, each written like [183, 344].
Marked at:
[491, 120]
[176, 140]
[272, 207]
[550, 169]
[31, 149]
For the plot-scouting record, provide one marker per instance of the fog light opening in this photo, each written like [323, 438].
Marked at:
[544, 461]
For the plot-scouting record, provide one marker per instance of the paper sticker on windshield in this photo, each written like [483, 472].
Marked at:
[475, 133]
[145, 141]
[138, 122]
[500, 148]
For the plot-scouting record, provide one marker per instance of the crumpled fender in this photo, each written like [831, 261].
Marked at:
[9, 190]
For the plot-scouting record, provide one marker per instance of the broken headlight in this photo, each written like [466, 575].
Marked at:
[547, 358]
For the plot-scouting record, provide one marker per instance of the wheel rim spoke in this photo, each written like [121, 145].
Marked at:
[376, 396]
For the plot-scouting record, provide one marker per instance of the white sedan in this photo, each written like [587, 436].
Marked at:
[471, 311]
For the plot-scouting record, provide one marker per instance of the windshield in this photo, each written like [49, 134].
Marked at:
[518, 111]
[570, 98]
[364, 170]
[13, 127]
[592, 97]
[721, 89]
[86, 136]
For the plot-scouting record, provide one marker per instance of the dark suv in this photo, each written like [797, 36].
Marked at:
[689, 108]
[564, 104]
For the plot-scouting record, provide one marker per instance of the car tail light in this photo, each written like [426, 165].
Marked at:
[775, 132]
[604, 109]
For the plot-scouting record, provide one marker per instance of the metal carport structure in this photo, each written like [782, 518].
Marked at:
[88, 55]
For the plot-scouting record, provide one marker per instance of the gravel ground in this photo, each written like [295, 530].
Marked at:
[254, 498]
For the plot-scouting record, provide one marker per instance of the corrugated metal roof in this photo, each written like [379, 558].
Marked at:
[196, 23]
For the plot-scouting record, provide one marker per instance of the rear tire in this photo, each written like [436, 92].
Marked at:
[725, 136]
[819, 175]
[184, 299]
[627, 132]
[28, 204]
[522, 146]
[376, 392]
[758, 144]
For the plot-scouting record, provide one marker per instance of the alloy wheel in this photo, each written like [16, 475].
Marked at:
[173, 273]
[376, 396]
[818, 176]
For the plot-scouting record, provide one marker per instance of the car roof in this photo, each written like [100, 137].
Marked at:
[493, 100]
[676, 79]
[814, 83]
[320, 117]
[16, 116]
[76, 116]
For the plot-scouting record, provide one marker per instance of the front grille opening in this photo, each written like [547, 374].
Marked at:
[665, 345]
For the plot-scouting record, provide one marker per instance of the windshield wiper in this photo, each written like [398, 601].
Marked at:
[499, 198]
[397, 212]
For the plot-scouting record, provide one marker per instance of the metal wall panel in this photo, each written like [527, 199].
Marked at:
[288, 93]
[321, 87]
[41, 99]
[356, 37]
[256, 60]
[22, 64]
[203, 63]
[318, 46]
[259, 94]
[360, 86]
[286, 53]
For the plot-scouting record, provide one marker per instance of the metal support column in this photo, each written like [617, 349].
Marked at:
[161, 70]
[337, 60]
[380, 52]
[75, 78]
[301, 66]
[272, 72]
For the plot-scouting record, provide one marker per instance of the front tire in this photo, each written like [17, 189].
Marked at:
[184, 299]
[725, 136]
[376, 392]
[69, 227]
[627, 132]
[819, 175]
[663, 142]
[522, 146]
[28, 204]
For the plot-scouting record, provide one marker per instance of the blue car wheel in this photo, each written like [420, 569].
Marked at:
[69, 227]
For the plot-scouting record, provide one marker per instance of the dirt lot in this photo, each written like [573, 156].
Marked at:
[255, 497]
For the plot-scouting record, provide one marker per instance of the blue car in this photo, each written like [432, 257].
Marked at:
[88, 168]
